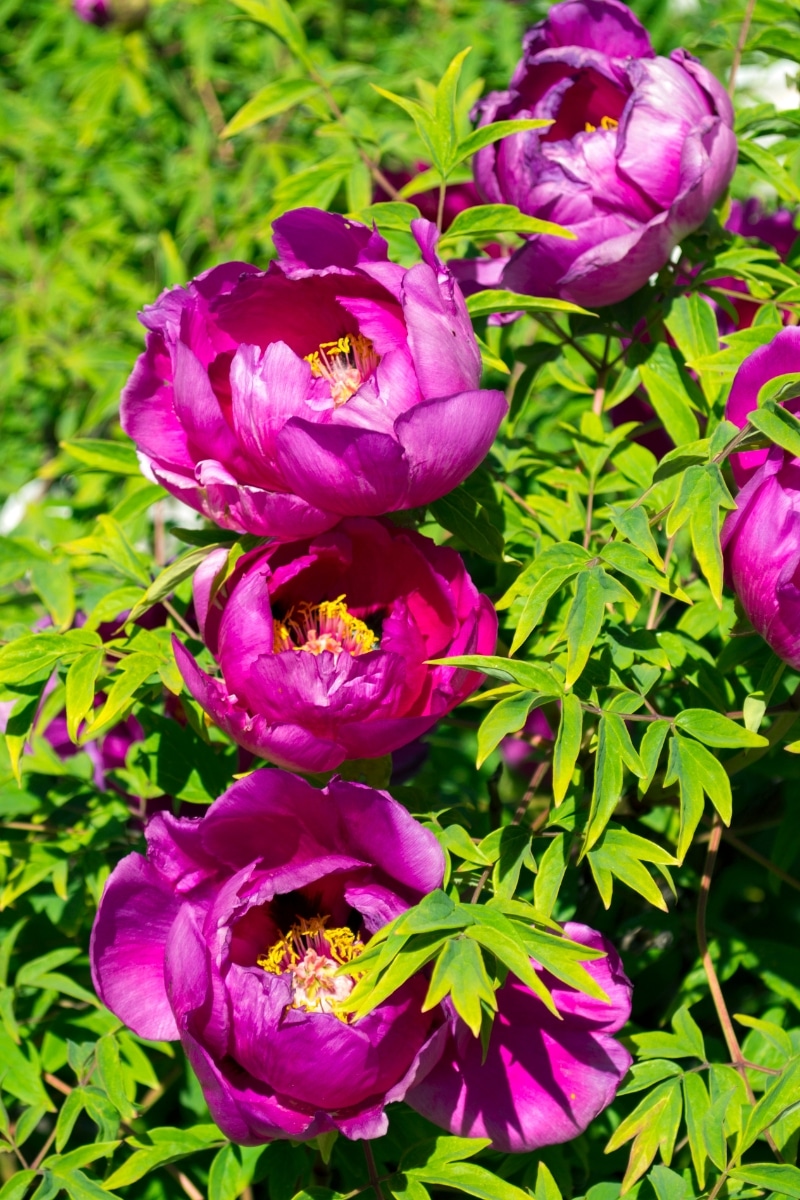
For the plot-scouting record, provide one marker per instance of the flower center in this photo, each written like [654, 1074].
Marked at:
[605, 123]
[345, 363]
[312, 954]
[318, 627]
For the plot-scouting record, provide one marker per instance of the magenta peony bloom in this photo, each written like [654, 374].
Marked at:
[761, 547]
[777, 230]
[323, 645]
[543, 1079]
[640, 151]
[336, 383]
[780, 357]
[94, 12]
[228, 935]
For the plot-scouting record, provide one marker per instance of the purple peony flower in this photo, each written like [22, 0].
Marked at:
[640, 150]
[336, 383]
[94, 12]
[228, 936]
[543, 1079]
[781, 356]
[761, 547]
[323, 645]
[749, 220]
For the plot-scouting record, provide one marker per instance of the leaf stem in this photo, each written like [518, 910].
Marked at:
[740, 45]
[372, 1170]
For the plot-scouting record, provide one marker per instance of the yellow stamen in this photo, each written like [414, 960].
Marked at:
[346, 363]
[312, 955]
[325, 626]
[605, 123]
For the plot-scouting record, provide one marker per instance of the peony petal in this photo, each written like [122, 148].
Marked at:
[781, 356]
[267, 388]
[445, 440]
[136, 912]
[440, 335]
[543, 1080]
[355, 471]
[310, 239]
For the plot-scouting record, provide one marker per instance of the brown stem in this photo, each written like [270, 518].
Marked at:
[764, 862]
[373, 168]
[185, 1182]
[185, 626]
[440, 208]
[372, 1170]
[587, 532]
[516, 496]
[42, 1155]
[740, 45]
[731, 1040]
[159, 539]
[599, 398]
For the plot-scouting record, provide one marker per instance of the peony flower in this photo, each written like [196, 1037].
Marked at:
[543, 1079]
[640, 151]
[781, 356]
[761, 547]
[777, 230]
[94, 12]
[336, 383]
[323, 645]
[228, 936]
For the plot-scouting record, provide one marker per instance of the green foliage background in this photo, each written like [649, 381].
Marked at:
[671, 716]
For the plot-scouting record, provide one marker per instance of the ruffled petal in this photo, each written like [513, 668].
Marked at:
[136, 913]
[355, 471]
[445, 440]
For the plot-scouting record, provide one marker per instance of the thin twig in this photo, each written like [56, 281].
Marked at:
[652, 619]
[762, 861]
[372, 1170]
[42, 1155]
[539, 773]
[185, 626]
[731, 1040]
[740, 45]
[189, 1188]
[516, 496]
[440, 206]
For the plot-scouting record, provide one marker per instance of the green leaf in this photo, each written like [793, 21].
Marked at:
[17, 1185]
[442, 1150]
[118, 458]
[487, 220]
[552, 866]
[109, 1069]
[52, 582]
[471, 1179]
[459, 972]
[693, 325]
[161, 1146]
[537, 600]
[493, 132]
[80, 688]
[508, 716]
[168, 579]
[633, 524]
[275, 98]
[696, 1106]
[514, 852]
[650, 751]
[783, 1093]
[278, 16]
[584, 621]
[501, 937]
[369, 993]
[781, 1178]
[36, 653]
[623, 557]
[614, 748]
[444, 114]
[779, 425]
[460, 513]
[714, 729]
[619, 853]
[546, 1186]
[696, 771]
[132, 672]
[493, 300]
[567, 745]
[702, 494]
[528, 675]
[671, 393]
